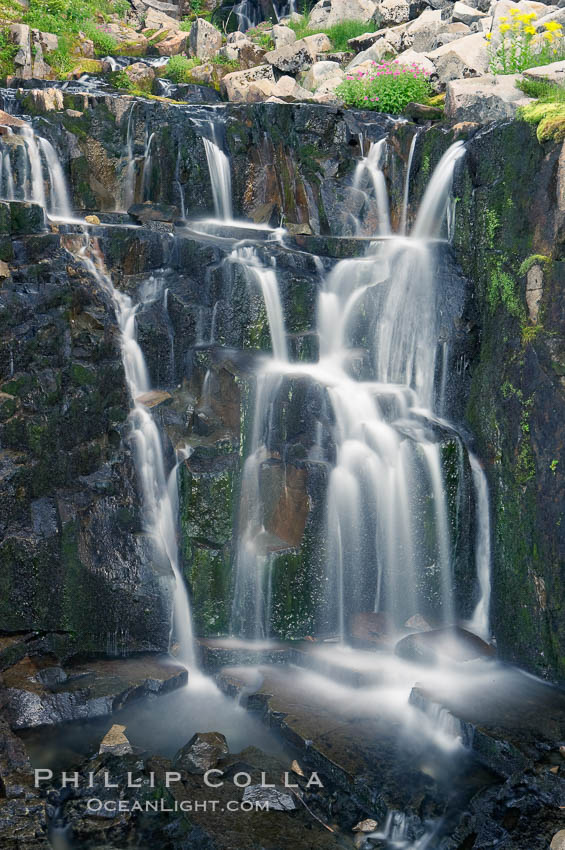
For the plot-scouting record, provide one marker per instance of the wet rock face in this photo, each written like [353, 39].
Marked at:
[71, 519]
[516, 406]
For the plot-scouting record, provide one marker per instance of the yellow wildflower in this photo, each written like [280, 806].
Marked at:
[503, 19]
[553, 26]
[506, 27]
[488, 36]
[530, 30]
[514, 11]
[548, 36]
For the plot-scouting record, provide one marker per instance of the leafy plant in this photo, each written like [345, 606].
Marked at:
[387, 87]
[179, 67]
[185, 24]
[8, 52]
[547, 112]
[519, 46]
[67, 17]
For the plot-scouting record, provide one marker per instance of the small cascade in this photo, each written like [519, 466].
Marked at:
[370, 169]
[160, 500]
[251, 603]
[131, 167]
[147, 166]
[30, 171]
[406, 195]
[480, 620]
[220, 174]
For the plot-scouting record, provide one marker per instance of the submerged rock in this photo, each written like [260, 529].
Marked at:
[278, 799]
[202, 752]
[115, 742]
[453, 644]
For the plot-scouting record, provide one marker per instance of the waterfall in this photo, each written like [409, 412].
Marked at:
[220, 175]
[406, 196]
[130, 175]
[40, 169]
[371, 166]
[480, 620]
[388, 531]
[159, 491]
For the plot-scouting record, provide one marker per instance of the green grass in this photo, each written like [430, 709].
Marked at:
[8, 51]
[104, 43]
[68, 17]
[542, 90]
[339, 34]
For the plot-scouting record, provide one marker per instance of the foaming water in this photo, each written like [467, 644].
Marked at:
[383, 547]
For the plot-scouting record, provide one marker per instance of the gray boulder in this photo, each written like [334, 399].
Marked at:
[488, 98]
[464, 14]
[466, 57]
[202, 752]
[235, 86]
[328, 12]
[291, 59]
[205, 40]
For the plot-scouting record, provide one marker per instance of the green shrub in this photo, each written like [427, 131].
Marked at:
[61, 59]
[120, 80]
[387, 87]
[104, 42]
[185, 25]
[179, 67]
[339, 34]
[67, 17]
[8, 52]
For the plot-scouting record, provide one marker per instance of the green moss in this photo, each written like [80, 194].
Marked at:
[533, 260]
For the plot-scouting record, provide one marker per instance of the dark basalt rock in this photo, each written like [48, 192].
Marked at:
[35, 694]
[202, 752]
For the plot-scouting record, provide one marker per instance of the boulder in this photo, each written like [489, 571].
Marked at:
[488, 98]
[418, 622]
[466, 57]
[422, 112]
[554, 73]
[282, 35]
[115, 742]
[291, 58]
[173, 44]
[126, 34]
[202, 752]
[378, 52]
[155, 19]
[140, 74]
[20, 36]
[259, 91]
[320, 72]
[287, 89]
[326, 93]
[7, 120]
[410, 57]
[421, 34]
[205, 40]
[149, 211]
[232, 49]
[47, 40]
[392, 12]
[558, 841]
[317, 43]
[449, 644]
[278, 799]
[40, 69]
[362, 42]
[235, 85]
[328, 12]
[46, 100]
[464, 14]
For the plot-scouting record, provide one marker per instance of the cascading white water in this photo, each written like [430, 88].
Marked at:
[371, 166]
[159, 491]
[480, 619]
[220, 174]
[388, 525]
[40, 171]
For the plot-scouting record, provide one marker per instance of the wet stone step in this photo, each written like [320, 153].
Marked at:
[39, 692]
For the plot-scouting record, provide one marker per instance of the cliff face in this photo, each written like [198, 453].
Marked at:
[509, 240]
[75, 564]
